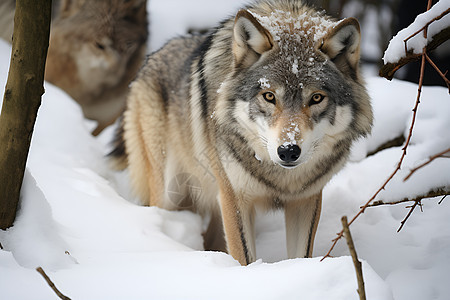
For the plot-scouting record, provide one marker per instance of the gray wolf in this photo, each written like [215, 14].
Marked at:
[96, 49]
[262, 111]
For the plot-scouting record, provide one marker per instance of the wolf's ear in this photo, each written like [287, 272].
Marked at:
[250, 39]
[342, 46]
[68, 8]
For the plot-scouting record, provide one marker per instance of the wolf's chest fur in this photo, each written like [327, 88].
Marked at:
[262, 111]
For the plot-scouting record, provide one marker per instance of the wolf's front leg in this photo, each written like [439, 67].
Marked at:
[247, 215]
[302, 218]
[238, 226]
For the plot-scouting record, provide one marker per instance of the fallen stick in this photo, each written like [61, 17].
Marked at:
[356, 262]
[52, 285]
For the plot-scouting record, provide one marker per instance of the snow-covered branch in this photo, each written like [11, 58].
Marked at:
[433, 21]
[409, 45]
[388, 70]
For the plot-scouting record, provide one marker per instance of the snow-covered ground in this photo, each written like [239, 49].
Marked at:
[77, 219]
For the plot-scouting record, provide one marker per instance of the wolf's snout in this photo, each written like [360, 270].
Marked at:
[289, 153]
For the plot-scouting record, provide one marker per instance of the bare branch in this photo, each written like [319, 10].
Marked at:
[356, 262]
[439, 155]
[402, 223]
[51, 284]
[436, 193]
[417, 202]
[447, 82]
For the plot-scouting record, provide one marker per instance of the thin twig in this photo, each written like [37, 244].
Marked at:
[432, 194]
[409, 214]
[382, 203]
[51, 284]
[447, 82]
[439, 155]
[356, 262]
[440, 202]
[425, 28]
[417, 202]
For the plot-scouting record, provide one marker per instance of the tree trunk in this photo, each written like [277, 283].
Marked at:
[22, 99]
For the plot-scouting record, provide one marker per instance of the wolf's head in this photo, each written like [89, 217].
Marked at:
[93, 45]
[296, 83]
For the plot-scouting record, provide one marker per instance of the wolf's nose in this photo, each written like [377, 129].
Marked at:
[289, 153]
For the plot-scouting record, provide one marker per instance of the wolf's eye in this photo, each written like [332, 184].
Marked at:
[316, 99]
[269, 97]
[100, 46]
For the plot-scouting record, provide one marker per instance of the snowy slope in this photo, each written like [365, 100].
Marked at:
[76, 220]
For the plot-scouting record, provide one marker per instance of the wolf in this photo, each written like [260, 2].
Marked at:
[261, 112]
[96, 49]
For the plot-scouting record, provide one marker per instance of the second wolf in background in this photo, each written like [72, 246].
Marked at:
[261, 112]
[96, 49]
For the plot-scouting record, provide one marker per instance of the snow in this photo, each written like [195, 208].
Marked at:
[78, 221]
[295, 66]
[396, 48]
[170, 18]
[315, 25]
[290, 133]
[264, 83]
